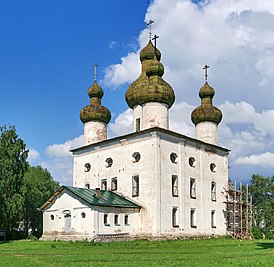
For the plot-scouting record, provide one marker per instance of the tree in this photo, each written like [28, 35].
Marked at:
[13, 165]
[262, 191]
[39, 187]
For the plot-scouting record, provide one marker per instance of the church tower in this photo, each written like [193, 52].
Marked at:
[206, 117]
[95, 116]
[150, 96]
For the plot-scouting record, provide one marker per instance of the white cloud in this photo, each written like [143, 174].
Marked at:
[63, 150]
[265, 160]
[60, 160]
[112, 44]
[33, 156]
[122, 124]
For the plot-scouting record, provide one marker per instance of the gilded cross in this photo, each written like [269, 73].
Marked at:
[149, 24]
[205, 68]
[155, 38]
[94, 69]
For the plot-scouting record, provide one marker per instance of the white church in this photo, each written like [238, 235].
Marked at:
[151, 183]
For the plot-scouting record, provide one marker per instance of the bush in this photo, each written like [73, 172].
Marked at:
[257, 233]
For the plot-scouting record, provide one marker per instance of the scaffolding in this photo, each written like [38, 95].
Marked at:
[238, 211]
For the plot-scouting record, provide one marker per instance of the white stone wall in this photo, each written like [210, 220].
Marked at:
[203, 176]
[207, 131]
[155, 170]
[123, 168]
[94, 131]
[155, 115]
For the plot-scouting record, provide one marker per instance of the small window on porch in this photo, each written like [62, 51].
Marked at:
[116, 220]
[106, 220]
[126, 219]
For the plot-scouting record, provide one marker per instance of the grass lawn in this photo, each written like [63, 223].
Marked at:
[208, 252]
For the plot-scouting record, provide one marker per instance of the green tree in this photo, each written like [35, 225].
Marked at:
[39, 187]
[13, 165]
[262, 191]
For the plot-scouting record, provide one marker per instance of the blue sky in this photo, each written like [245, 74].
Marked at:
[46, 57]
[48, 49]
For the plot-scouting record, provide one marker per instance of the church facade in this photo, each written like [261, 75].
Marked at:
[151, 183]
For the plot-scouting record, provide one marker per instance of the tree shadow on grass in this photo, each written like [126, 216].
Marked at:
[266, 245]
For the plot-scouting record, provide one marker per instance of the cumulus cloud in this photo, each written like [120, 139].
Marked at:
[265, 160]
[60, 160]
[122, 124]
[63, 150]
[33, 156]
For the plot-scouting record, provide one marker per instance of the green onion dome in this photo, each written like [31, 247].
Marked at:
[149, 52]
[139, 91]
[95, 111]
[158, 90]
[206, 111]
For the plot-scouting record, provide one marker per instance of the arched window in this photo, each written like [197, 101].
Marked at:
[126, 219]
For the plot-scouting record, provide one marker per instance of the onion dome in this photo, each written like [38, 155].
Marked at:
[206, 111]
[149, 52]
[158, 90]
[95, 111]
[142, 90]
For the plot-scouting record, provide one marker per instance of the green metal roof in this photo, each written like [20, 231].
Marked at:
[106, 199]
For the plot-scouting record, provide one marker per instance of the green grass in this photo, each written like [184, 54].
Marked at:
[207, 252]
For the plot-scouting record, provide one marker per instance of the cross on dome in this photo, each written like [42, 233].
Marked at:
[149, 24]
[205, 68]
[94, 70]
[155, 38]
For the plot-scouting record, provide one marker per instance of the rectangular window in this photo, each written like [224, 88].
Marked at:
[213, 191]
[104, 184]
[135, 185]
[113, 184]
[126, 219]
[138, 125]
[175, 221]
[192, 218]
[106, 219]
[174, 185]
[213, 219]
[192, 188]
[116, 219]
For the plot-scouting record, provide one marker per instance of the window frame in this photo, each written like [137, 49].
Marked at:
[138, 124]
[104, 184]
[126, 220]
[213, 192]
[114, 184]
[116, 219]
[135, 186]
[192, 188]
[106, 220]
[193, 218]
[175, 187]
[213, 219]
[175, 217]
